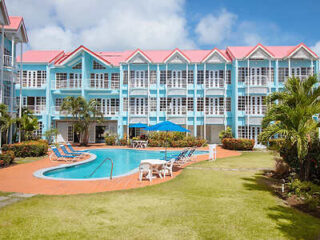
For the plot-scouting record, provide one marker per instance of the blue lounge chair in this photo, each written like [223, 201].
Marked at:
[179, 155]
[65, 151]
[63, 157]
[74, 151]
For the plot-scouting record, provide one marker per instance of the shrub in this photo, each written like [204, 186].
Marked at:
[123, 142]
[238, 144]
[27, 148]
[275, 144]
[6, 158]
[226, 134]
[174, 139]
[110, 140]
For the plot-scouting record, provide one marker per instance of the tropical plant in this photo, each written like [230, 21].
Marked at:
[27, 124]
[50, 134]
[5, 121]
[83, 113]
[290, 116]
[226, 133]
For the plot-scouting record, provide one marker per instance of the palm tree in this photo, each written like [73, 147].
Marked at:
[5, 122]
[83, 114]
[291, 116]
[27, 124]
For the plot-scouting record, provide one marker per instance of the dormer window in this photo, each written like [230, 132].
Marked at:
[77, 66]
[97, 65]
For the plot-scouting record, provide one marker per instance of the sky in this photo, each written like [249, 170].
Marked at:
[112, 25]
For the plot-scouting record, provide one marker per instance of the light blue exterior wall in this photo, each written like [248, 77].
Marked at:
[198, 122]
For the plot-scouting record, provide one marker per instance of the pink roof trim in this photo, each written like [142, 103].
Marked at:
[213, 51]
[138, 50]
[85, 49]
[41, 56]
[305, 47]
[259, 45]
[179, 51]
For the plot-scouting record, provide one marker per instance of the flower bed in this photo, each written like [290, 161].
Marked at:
[6, 158]
[28, 148]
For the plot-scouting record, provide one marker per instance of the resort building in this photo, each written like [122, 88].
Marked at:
[203, 90]
[13, 31]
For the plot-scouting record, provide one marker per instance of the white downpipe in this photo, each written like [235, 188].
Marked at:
[187, 79]
[12, 85]
[20, 90]
[225, 96]
[128, 103]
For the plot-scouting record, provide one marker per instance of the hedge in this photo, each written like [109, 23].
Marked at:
[174, 139]
[28, 148]
[6, 158]
[238, 144]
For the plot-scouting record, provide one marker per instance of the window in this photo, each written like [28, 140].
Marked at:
[200, 104]
[125, 77]
[125, 104]
[251, 132]
[190, 104]
[283, 74]
[242, 74]
[228, 77]
[138, 106]
[41, 78]
[97, 65]
[38, 133]
[228, 104]
[115, 80]
[162, 77]
[153, 77]
[242, 103]
[77, 66]
[190, 77]
[153, 104]
[70, 133]
[200, 77]
[75, 80]
[163, 105]
[61, 80]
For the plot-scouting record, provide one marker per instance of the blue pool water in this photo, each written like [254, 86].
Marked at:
[125, 161]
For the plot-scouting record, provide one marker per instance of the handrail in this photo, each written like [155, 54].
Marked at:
[101, 165]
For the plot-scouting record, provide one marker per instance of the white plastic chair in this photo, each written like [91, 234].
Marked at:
[145, 169]
[167, 168]
[214, 151]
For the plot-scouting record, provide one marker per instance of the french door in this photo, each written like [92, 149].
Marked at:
[215, 106]
[32, 79]
[75, 80]
[140, 79]
[176, 106]
[138, 106]
[177, 81]
[213, 79]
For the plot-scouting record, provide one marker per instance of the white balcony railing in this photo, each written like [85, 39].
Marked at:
[56, 110]
[215, 110]
[177, 110]
[99, 83]
[32, 83]
[177, 83]
[36, 109]
[67, 84]
[138, 83]
[257, 80]
[256, 110]
[215, 83]
[139, 110]
[7, 61]
[110, 111]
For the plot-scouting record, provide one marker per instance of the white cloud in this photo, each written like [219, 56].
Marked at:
[215, 29]
[316, 48]
[104, 24]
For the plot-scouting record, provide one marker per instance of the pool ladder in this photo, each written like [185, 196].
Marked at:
[105, 160]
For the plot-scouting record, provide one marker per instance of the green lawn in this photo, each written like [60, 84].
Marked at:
[199, 204]
[28, 159]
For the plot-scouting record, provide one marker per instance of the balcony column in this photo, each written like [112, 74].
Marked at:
[128, 103]
[311, 65]
[166, 87]
[186, 80]
[49, 100]
[20, 89]
[234, 103]
[225, 96]
[1, 65]
[83, 75]
[195, 78]
[148, 96]
[289, 66]
[12, 88]
[204, 101]
[269, 76]
[158, 93]
[120, 116]
[248, 104]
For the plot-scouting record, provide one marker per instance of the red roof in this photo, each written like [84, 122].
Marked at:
[159, 56]
[38, 56]
[14, 23]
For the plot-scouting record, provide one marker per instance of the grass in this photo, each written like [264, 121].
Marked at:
[27, 159]
[198, 204]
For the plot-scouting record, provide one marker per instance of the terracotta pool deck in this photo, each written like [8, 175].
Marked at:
[19, 178]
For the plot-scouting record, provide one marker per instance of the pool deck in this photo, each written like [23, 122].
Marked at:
[19, 178]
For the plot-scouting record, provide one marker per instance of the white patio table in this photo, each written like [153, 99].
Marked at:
[156, 164]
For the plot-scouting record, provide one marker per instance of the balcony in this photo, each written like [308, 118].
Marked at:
[67, 84]
[7, 61]
[258, 84]
[110, 111]
[36, 109]
[256, 110]
[33, 83]
[177, 110]
[103, 84]
[214, 110]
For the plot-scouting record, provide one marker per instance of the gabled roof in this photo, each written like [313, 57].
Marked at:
[4, 13]
[17, 26]
[177, 51]
[213, 51]
[298, 47]
[263, 48]
[81, 48]
[40, 56]
[135, 53]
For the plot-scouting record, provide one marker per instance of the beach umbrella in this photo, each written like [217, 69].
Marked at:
[138, 125]
[166, 126]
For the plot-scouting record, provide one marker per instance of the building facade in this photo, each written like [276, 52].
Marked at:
[203, 90]
[13, 32]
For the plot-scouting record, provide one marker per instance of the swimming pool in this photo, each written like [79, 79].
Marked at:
[126, 161]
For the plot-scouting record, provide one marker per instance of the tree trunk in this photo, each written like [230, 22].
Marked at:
[85, 137]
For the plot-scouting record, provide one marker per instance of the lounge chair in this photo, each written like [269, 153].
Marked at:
[186, 158]
[65, 151]
[60, 157]
[74, 151]
[145, 169]
[167, 168]
[179, 155]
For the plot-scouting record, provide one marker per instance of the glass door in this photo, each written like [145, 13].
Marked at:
[177, 79]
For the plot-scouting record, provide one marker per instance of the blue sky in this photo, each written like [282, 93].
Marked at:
[167, 24]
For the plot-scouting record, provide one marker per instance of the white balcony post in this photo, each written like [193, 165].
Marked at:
[225, 96]
[128, 103]
[12, 85]
[289, 67]
[2, 64]
[204, 101]
[248, 104]
[20, 90]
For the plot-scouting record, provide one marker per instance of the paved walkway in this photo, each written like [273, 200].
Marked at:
[19, 178]
[13, 197]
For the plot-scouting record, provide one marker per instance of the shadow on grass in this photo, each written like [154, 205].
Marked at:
[291, 222]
